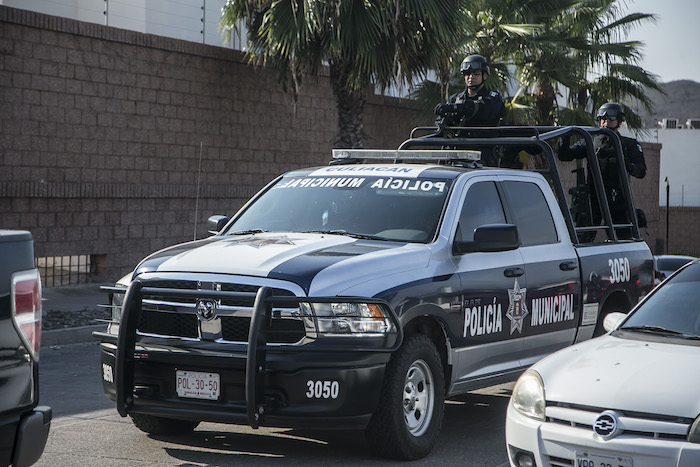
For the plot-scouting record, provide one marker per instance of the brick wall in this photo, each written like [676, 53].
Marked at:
[103, 133]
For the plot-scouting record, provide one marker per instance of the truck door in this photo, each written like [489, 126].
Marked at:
[491, 340]
[551, 264]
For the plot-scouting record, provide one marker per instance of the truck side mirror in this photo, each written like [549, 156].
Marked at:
[489, 238]
[216, 223]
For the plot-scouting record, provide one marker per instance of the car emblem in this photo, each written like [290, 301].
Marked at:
[206, 309]
[607, 425]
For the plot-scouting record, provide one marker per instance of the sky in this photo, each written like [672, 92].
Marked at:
[672, 44]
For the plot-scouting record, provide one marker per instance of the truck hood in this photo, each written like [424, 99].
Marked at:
[625, 374]
[313, 261]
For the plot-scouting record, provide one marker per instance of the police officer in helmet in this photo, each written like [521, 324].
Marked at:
[476, 105]
[610, 115]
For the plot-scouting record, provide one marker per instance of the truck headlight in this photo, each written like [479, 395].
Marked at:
[116, 305]
[347, 318]
[528, 395]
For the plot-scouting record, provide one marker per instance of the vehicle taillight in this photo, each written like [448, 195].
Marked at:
[26, 309]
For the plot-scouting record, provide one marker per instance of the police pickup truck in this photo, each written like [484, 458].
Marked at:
[361, 294]
[24, 425]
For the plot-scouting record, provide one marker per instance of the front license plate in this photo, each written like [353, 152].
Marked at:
[198, 385]
[596, 459]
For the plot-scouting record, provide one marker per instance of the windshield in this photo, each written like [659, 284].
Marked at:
[673, 307]
[385, 208]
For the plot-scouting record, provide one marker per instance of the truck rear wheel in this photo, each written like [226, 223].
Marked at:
[409, 417]
[162, 426]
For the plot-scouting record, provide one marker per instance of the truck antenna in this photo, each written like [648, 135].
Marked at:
[196, 203]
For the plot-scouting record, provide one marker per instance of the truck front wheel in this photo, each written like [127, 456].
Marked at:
[407, 422]
[162, 426]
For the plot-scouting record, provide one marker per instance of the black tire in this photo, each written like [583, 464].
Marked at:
[407, 422]
[162, 426]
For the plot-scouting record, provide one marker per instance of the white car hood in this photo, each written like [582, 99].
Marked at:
[635, 375]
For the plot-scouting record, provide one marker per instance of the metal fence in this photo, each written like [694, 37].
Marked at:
[65, 270]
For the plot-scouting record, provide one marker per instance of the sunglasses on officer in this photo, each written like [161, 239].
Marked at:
[471, 72]
[607, 115]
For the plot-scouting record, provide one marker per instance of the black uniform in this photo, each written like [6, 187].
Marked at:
[634, 165]
[486, 108]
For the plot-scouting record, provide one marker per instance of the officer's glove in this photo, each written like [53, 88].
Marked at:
[630, 167]
[444, 110]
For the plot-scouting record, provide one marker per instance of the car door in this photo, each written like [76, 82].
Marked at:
[492, 331]
[552, 290]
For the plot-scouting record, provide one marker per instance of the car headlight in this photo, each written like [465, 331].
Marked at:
[347, 318]
[528, 395]
[694, 434]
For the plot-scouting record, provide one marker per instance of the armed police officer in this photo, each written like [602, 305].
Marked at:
[610, 115]
[476, 105]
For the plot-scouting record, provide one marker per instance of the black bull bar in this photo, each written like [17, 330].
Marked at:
[257, 345]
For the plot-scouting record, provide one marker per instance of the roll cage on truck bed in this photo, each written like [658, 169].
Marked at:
[543, 141]
[260, 352]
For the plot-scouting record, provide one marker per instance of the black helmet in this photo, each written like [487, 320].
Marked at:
[475, 62]
[611, 109]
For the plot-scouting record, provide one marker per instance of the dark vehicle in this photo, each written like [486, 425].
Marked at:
[24, 426]
[665, 265]
[360, 294]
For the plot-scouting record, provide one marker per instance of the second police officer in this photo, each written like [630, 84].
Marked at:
[610, 115]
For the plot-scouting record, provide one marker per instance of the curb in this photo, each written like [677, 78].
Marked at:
[69, 335]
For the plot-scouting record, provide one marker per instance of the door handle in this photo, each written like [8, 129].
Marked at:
[568, 265]
[514, 272]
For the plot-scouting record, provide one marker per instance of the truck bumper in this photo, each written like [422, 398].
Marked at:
[314, 390]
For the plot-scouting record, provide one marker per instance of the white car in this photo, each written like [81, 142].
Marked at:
[630, 398]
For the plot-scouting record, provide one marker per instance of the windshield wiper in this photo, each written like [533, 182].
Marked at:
[346, 233]
[246, 232]
[660, 330]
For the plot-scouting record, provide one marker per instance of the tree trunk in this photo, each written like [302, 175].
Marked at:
[350, 104]
[545, 98]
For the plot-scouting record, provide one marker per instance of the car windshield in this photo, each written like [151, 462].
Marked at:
[384, 208]
[673, 309]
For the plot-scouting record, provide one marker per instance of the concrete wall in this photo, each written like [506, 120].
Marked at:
[115, 143]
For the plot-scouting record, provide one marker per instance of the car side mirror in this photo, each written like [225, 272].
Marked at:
[612, 320]
[490, 238]
[216, 223]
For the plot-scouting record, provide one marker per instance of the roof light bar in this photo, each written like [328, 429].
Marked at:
[405, 154]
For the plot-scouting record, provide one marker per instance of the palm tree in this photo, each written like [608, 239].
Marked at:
[553, 47]
[364, 44]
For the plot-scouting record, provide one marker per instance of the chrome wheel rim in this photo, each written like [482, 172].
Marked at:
[418, 397]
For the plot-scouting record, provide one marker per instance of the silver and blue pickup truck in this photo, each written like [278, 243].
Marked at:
[361, 294]
[24, 425]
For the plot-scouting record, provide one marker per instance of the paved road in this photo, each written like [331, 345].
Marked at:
[87, 430]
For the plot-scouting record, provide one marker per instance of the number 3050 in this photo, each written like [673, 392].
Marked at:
[322, 389]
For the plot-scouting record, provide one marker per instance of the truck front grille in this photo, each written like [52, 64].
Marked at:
[170, 317]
